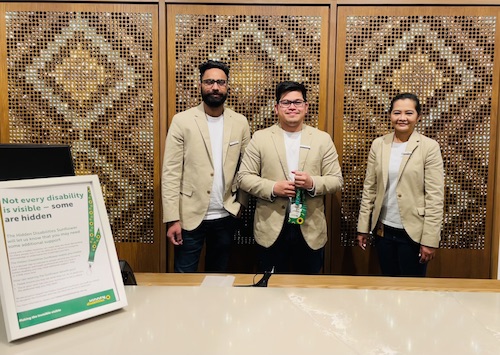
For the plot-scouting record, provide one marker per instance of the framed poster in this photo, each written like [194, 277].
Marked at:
[58, 262]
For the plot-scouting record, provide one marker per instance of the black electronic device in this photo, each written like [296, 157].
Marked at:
[127, 274]
[263, 281]
[30, 161]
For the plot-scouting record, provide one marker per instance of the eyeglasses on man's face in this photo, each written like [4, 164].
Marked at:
[212, 82]
[288, 103]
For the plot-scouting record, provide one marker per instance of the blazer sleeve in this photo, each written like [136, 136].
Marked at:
[243, 195]
[331, 179]
[249, 178]
[369, 192]
[172, 172]
[434, 196]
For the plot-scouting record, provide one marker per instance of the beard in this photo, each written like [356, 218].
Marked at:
[213, 101]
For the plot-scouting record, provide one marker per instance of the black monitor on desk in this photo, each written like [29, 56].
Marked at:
[29, 161]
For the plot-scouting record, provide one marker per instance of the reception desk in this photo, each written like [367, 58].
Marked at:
[171, 313]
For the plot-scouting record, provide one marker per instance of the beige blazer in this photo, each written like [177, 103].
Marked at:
[187, 175]
[265, 163]
[420, 188]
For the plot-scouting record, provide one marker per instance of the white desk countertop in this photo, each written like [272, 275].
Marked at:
[264, 321]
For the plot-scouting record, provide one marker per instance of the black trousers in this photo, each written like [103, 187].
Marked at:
[291, 254]
[398, 254]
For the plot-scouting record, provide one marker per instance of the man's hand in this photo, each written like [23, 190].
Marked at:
[284, 188]
[174, 232]
[362, 238]
[303, 180]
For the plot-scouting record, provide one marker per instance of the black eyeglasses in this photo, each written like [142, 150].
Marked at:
[211, 82]
[287, 103]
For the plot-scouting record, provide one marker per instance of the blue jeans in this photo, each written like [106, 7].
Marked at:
[398, 254]
[217, 234]
[291, 254]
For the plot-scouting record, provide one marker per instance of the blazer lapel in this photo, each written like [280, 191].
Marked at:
[201, 122]
[228, 123]
[279, 145]
[413, 143]
[386, 157]
[305, 146]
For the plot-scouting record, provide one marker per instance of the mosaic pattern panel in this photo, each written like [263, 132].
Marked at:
[448, 62]
[85, 79]
[261, 52]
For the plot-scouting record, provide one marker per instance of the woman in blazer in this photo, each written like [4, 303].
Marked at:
[403, 194]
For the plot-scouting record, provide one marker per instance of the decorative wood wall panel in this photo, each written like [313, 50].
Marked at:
[447, 58]
[263, 46]
[88, 75]
[83, 76]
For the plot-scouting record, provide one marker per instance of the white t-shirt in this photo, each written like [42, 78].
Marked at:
[390, 210]
[292, 147]
[216, 206]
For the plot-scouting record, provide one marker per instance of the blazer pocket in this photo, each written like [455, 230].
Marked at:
[187, 189]
[421, 211]
[233, 153]
[312, 166]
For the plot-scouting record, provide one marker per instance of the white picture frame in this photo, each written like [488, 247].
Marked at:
[58, 261]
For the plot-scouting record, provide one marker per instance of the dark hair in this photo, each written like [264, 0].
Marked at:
[210, 64]
[287, 86]
[407, 95]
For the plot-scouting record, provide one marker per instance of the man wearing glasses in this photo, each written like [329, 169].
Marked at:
[289, 167]
[203, 149]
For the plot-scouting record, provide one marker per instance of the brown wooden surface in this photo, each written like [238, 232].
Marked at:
[329, 281]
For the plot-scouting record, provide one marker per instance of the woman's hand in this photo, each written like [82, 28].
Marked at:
[426, 254]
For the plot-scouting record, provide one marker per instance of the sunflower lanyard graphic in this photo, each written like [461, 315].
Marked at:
[93, 238]
[298, 208]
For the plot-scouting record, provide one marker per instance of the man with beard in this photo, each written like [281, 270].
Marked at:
[200, 198]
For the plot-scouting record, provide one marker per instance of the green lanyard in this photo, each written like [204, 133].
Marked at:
[93, 238]
[298, 208]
